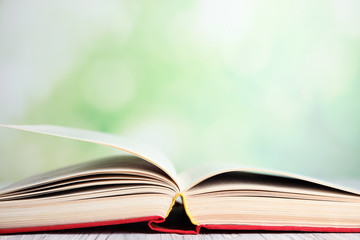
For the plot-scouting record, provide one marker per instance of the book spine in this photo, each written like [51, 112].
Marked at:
[156, 224]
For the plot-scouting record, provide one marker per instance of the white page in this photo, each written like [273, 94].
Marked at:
[106, 139]
[195, 175]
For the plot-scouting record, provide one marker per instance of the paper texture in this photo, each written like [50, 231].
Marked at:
[110, 140]
[195, 175]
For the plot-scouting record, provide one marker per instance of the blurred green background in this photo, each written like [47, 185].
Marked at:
[256, 82]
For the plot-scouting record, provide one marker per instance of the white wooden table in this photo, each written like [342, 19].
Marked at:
[141, 231]
[99, 235]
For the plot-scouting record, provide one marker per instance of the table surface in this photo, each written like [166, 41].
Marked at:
[141, 231]
[99, 235]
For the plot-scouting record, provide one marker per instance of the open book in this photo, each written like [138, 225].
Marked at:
[143, 186]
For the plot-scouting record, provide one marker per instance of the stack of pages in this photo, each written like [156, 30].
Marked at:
[143, 186]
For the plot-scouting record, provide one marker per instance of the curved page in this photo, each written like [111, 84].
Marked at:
[129, 167]
[110, 140]
[194, 176]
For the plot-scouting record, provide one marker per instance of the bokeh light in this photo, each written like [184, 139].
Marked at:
[253, 82]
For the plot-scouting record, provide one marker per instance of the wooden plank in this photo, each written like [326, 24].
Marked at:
[118, 235]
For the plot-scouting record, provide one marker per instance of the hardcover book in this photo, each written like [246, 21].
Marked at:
[144, 186]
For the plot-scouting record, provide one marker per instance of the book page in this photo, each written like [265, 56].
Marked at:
[194, 176]
[106, 139]
[115, 168]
